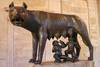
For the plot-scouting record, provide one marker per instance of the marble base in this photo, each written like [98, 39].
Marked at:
[68, 64]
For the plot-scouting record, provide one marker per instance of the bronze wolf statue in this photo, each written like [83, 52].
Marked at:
[44, 25]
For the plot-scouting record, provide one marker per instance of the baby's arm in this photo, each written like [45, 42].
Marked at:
[63, 45]
[53, 49]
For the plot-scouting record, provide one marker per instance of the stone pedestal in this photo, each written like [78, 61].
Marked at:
[68, 64]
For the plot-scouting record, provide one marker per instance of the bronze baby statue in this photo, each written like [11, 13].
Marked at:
[72, 43]
[57, 49]
[70, 51]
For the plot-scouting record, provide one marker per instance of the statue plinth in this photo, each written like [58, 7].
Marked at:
[68, 64]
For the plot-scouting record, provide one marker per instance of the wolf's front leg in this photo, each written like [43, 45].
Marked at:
[35, 46]
[42, 43]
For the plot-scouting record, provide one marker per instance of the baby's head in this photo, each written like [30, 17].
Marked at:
[55, 43]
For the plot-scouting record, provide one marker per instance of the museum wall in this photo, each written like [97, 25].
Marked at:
[16, 44]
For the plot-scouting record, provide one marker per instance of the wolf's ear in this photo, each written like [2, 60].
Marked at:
[11, 5]
[24, 5]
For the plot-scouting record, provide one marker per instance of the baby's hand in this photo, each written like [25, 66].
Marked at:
[61, 41]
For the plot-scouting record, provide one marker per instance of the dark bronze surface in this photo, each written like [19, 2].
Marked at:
[73, 48]
[44, 25]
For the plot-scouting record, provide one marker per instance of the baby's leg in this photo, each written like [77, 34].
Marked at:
[73, 56]
[57, 58]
